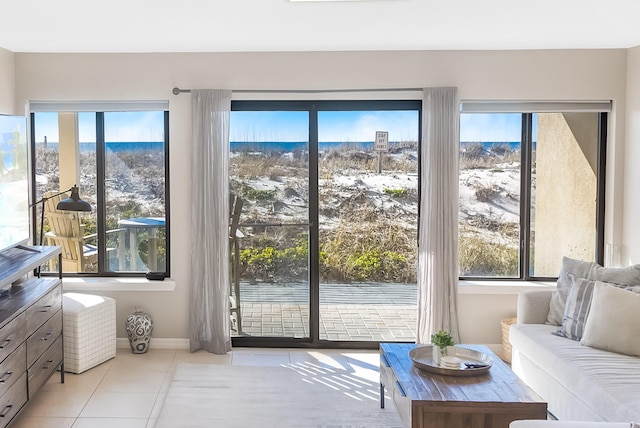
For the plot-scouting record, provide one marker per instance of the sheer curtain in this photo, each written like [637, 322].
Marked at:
[438, 236]
[209, 301]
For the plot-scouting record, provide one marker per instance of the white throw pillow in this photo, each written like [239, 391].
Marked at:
[613, 323]
[629, 275]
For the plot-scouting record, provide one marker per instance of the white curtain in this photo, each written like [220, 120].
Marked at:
[209, 301]
[438, 236]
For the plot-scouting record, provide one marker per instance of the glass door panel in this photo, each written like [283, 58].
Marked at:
[368, 217]
[269, 177]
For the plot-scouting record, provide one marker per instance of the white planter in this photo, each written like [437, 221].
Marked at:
[439, 353]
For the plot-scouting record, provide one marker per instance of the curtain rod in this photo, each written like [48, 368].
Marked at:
[178, 91]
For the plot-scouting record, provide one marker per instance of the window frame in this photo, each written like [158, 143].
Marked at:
[100, 108]
[528, 110]
[313, 107]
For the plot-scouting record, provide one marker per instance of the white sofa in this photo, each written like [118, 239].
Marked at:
[580, 383]
[559, 424]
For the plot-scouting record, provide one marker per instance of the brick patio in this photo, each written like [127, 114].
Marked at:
[366, 312]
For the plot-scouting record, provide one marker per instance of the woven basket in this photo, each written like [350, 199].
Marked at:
[506, 346]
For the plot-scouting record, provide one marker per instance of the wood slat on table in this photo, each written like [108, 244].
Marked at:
[490, 400]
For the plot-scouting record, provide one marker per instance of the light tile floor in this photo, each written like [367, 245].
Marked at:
[128, 390]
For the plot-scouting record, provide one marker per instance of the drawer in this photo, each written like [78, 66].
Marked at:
[39, 341]
[386, 373]
[45, 366]
[402, 402]
[12, 335]
[13, 400]
[12, 368]
[43, 309]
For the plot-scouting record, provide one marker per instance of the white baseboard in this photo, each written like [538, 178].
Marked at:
[157, 343]
[183, 344]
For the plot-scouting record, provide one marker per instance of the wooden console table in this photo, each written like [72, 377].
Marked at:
[428, 400]
[31, 347]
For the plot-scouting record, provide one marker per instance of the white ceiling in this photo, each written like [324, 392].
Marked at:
[280, 25]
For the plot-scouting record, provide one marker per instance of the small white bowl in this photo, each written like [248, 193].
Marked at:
[450, 362]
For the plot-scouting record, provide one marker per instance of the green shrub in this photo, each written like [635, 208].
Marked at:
[257, 195]
[395, 192]
[265, 262]
[372, 265]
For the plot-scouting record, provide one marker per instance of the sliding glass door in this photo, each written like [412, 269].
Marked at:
[325, 244]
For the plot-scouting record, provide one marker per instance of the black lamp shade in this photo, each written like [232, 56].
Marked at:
[74, 203]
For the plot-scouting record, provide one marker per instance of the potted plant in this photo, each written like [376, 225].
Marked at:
[440, 341]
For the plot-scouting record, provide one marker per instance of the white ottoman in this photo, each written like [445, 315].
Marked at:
[89, 330]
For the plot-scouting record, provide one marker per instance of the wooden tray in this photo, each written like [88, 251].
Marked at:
[422, 358]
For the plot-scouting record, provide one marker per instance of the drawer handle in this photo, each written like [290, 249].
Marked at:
[400, 389]
[6, 411]
[46, 308]
[5, 376]
[47, 366]
[46, 336]
[4, 343]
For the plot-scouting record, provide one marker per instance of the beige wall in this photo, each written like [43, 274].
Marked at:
[7, 83]
[566, 159]
[631, 211]
[526, 75]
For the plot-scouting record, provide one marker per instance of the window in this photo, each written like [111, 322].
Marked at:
[119, 160]
[531, 190]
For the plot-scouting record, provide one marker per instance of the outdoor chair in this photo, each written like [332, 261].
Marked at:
[79, 251]
[235, 208]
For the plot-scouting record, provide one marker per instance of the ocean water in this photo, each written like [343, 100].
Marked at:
[113, 147]
[267, 146]
[283, 147]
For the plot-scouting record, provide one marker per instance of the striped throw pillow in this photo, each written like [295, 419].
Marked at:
[576, 309]
[578, 305]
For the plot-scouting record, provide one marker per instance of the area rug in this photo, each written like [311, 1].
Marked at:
[302, 395]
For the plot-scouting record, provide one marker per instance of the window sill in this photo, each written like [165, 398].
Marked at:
[117, 284]
[502, 287]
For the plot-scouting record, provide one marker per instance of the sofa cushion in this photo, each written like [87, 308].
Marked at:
[570, 268]
[608, 383]
[629, 275]
[614, 320]
[576, 309]
[578, 306]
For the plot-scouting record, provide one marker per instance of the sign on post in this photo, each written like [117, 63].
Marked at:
[382, 141]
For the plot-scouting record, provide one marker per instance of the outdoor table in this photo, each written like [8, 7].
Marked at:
[134, 226]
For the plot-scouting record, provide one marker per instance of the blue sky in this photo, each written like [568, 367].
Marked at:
[348, 126]
[362, 126]
[119, 127]
[479, 127]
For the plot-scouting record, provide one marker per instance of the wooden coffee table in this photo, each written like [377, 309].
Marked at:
[428, 400]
